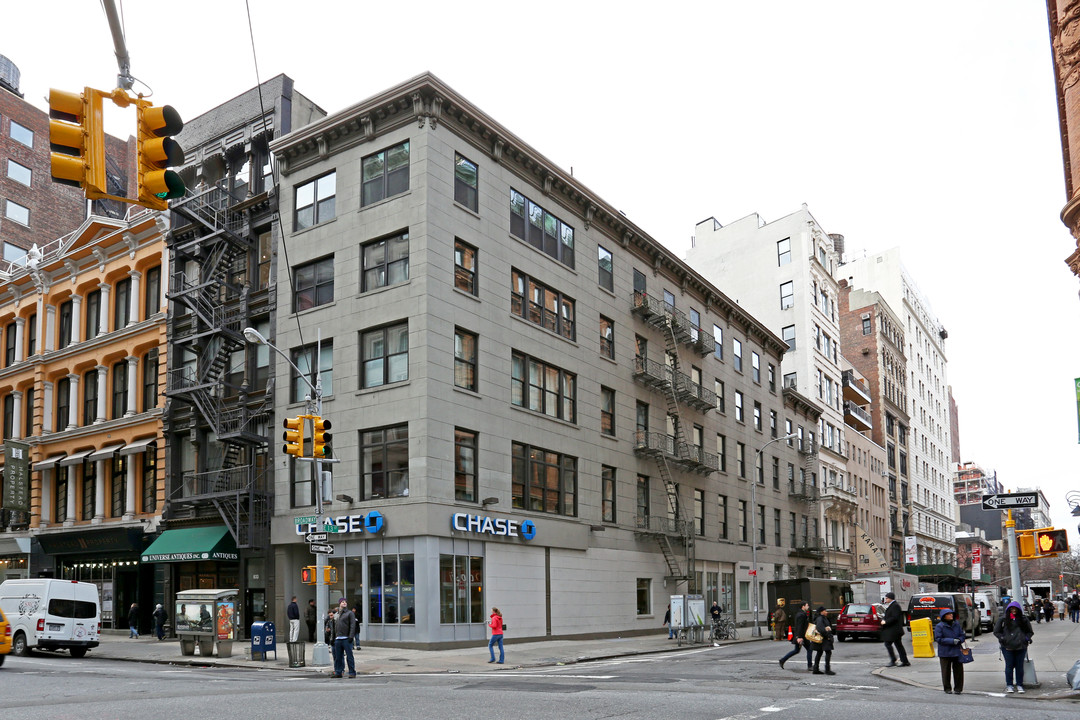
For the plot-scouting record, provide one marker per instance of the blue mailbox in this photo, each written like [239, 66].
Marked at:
[263, 640]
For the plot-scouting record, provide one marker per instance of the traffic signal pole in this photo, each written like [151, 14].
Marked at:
[1030, 678]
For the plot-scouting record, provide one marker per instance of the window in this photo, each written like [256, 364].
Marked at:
[93, 314]
[119, 483]
[791, 380]
[464, 465]
[761, 524]
[776, 473]
[639, 283]
[384, 462]
[755, 366]
[266, 253]
[759, 469]
[718, 390]
[120, 389]
[718, 341]
[18, 213]
[9, 414]
[543, 230]
[788, 334]
[466, 183]
[150, 380]
[543, 481]
[314, 284]
[757, 416]
[315, 201]
[29, 397]
[721, 452]
[699, 511]
[607, 276]
[391, 589]
[304, 359]
[772, 377]
[721, 512]
[60, 506]
[644, 596]
[149, 479]
[386, 262]
[772, 423]
[783, 251]
[642, 502]
[18, 173]
[90, 397]
[535, 385]
[385, 174]
[89, 488]
[544, 306]
[465, 267]
[607, 493]
[736, 354]
[740, 459]
[787, 295]
[742, 521]
[739, 406]
[607, 337]
[695, 325]
[122, 304]
[152, 292]
[10, 336]
[384, 353]
[866, 325]
[776, 527]
[464, 359]
[21, 134]
[461, 582]
[607, 411]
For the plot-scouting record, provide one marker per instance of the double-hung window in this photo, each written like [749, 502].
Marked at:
[305, 361]
[464, 359]
[606, 266]
[466, 183]
[386, 261]
[543, 481]
[385, 174]
[384, 353]
[314, 284]
[384, 462]
[541, 305]
[316, 201]
[541, 229]
[538, 386]
[465, 267]
[787, 295]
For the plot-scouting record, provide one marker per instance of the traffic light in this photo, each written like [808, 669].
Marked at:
[1025, 545]
[77, 140]
[1051, 542]
[307, 574]
[320, 438]
[293, 436]
[157, 151]
[329, 574]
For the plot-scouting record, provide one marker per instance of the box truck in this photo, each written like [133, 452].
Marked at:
[903, 585]
[51, 614]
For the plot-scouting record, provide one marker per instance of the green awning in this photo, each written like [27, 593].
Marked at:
[190, 544]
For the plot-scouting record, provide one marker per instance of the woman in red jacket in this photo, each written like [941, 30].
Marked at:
[496, 625]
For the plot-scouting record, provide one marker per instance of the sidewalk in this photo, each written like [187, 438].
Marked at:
[1055, 648]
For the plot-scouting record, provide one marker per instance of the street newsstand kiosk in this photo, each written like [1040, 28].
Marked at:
[208, 618]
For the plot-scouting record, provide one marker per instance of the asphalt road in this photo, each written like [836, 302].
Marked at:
[737, 682]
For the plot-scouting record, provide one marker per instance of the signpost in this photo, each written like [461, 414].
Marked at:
[318, 549]
[315, 537]
[304, 520]
[1005, 501]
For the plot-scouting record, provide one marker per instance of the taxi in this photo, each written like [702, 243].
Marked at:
[5, 637]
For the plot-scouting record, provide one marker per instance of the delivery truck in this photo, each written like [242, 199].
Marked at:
[903, 585]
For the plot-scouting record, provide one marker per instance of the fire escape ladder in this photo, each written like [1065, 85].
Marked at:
[679, 450]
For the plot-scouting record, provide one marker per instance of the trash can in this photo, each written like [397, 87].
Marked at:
[263, 640]
[296, 654]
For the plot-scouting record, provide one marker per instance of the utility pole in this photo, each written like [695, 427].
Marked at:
[1030, 678]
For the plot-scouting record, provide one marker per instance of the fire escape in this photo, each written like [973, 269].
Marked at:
[211, 308]
[807, 544]
[674, 532]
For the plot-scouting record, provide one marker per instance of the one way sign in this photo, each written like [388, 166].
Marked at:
[1010, 500]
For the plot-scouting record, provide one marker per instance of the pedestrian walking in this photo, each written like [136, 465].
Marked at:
[310, 617]
[133, 621]
[495, 622]
[344, 637]
[160, 616]
[892, 631]
[1060, 606]
[667, 622]
[1074, 607]
[950, 636]
[1013, 632]
[780, 620]
[293, 614]
[825, 647]
[798, 637]
[1048, 608]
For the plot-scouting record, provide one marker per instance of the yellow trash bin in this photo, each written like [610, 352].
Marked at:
[922, 638]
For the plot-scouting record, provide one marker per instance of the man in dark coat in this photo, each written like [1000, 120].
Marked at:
[310, 617]
[292, 612]
[798, 637]
[892, 630]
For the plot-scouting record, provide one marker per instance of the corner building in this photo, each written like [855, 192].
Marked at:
[535, 405]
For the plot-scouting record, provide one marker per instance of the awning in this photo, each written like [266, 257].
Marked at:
[137, 447]
[75, 458]
[49, 463]
[14, 546]
[198, 543]
[105, 452]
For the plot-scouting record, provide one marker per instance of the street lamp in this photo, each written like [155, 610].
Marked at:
[320, 654]
[753, 527]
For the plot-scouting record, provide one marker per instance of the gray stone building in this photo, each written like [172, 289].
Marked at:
[535, 405]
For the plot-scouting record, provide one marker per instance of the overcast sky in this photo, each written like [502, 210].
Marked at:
[928, 125]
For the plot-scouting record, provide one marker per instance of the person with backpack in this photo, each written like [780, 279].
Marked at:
[1013, 632]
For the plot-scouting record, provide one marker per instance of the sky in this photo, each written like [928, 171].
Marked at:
[931, 126]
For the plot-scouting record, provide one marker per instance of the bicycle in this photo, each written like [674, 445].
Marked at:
[723, 629]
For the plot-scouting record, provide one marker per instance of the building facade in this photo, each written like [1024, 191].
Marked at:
[867, 471]
[1065, 46]
[535, 405]
[792, 289]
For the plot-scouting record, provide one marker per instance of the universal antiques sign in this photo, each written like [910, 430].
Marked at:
[16, 476]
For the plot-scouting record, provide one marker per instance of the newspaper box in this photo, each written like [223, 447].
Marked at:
[206, 618]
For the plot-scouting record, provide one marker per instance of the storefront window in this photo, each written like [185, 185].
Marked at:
[391, 589]
[461, 582]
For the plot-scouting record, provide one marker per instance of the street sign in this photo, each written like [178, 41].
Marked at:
[315, 537]
[1004, 501]
[331, 528]
[320, 548]
[304, 520]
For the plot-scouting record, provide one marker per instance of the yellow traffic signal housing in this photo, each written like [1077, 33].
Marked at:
[308, 574]
[293, 436]
[157, 151]
[1050, 541]
[77, 140]
[1025, 544]
[320, 438]
[329, 574]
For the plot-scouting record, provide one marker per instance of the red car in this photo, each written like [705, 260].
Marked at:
[860, 619]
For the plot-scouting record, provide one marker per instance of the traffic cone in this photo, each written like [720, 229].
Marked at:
[789, 633]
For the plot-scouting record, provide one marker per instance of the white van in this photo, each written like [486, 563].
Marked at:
[51, 614]
[987, 609]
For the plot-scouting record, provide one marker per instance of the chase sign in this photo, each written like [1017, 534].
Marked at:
[501, 527]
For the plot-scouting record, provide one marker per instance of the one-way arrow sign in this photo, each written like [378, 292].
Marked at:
[1005, 501]
[325, 549]
[315, 537]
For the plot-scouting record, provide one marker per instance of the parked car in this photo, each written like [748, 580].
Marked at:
[5, 637]
[860, 620]
[930, 606]
[987, 610]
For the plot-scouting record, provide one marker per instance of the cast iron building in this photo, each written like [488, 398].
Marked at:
[536, 406]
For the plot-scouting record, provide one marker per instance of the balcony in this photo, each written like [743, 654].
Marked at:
[693, 394]
[693, 458]
[856, 389]
[856, 417]
[661, 525]
[652, 373]
[803, 491]
[807, 546]
[654, 444]
[668, 319]
[839, 492]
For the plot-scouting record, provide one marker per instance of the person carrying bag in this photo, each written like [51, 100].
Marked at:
[950, 637]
